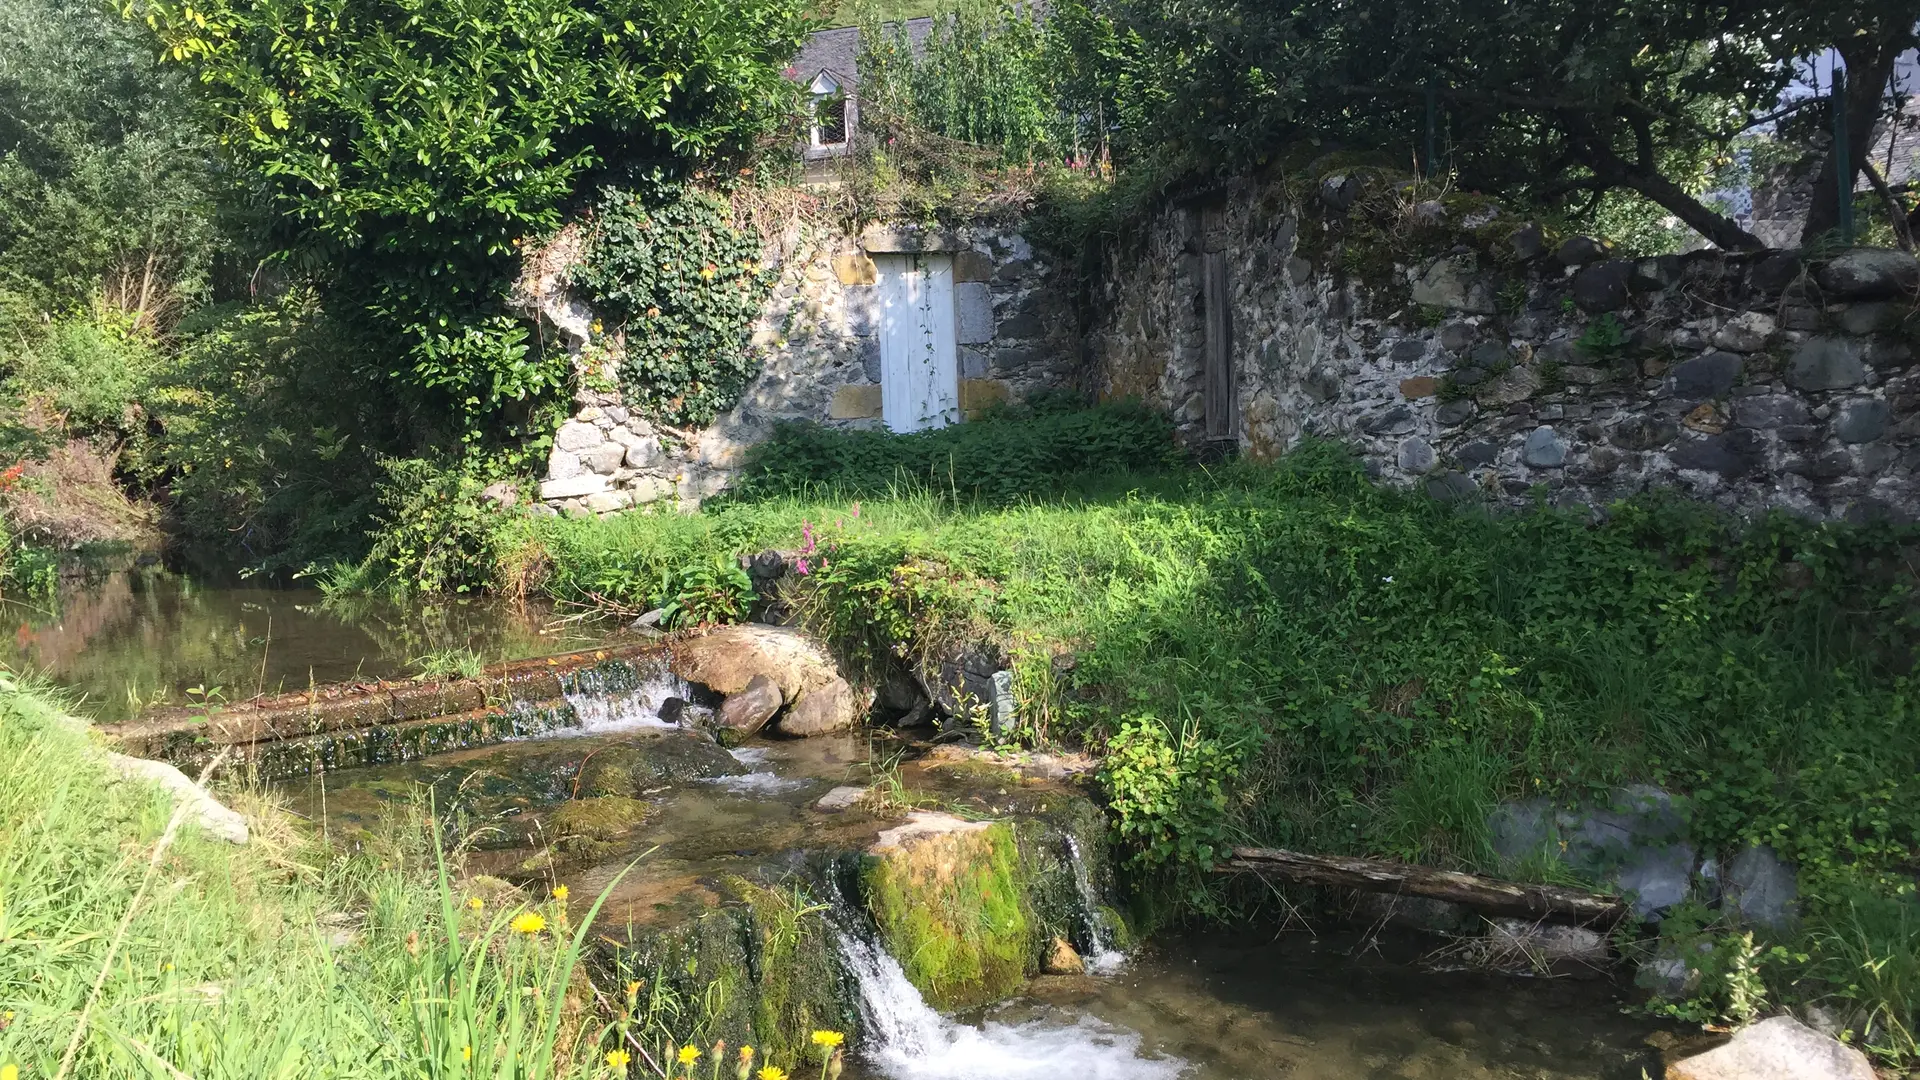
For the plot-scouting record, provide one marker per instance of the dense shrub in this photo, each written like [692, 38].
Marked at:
[90, 370]
[683, 284]
[403, 154]
[1038, 449]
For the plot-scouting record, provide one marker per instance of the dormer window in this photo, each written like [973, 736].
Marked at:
[831, 114]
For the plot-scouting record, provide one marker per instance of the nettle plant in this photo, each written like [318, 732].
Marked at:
[684, 284]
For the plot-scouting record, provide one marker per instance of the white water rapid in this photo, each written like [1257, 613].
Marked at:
[601, 711]
[1102, 958]
[904, 1039]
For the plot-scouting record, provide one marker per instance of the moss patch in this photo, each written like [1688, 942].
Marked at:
[800, 987]
[952, 909]
[588, 828]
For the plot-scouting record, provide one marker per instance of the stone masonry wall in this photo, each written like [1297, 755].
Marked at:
[1508, 362]
[818, 340]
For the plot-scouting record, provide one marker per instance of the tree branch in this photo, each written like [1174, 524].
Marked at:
[1669, 195]
[1896, 213]
[1490, 895]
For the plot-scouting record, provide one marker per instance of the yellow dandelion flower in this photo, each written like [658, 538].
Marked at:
[617, 1060]
[773, 1072]
[828, 1038]
[689, 1055]
[528, 922]
[9, 1072]
[559, 892]
[633, 988]
[466, 1053]
[746, 1053]
[475, 903]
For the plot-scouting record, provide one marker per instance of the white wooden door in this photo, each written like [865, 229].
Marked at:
[919, 370]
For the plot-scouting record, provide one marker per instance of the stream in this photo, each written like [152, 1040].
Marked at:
[139, 638]
[1215, 1005]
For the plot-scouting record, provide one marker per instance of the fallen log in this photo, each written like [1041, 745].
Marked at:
[1489, 895]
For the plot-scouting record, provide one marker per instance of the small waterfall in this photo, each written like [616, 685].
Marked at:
[604, 700]
[904, 1039]
[1101, 958]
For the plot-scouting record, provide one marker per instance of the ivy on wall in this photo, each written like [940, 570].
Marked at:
[683, 283]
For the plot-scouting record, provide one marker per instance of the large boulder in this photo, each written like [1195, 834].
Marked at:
[1635, 842]
[1870, 274]
[1781, 1048]
[729, 659]
[823, 710]
[749, 710]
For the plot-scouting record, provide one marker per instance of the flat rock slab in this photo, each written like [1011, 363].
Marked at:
[1781, 1048]
[840, 798]
[216, 819]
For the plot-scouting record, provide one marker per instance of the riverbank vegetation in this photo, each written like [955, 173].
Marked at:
[1292, 656]
[246, 316]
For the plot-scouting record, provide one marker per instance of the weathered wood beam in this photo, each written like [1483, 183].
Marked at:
[1489, 895]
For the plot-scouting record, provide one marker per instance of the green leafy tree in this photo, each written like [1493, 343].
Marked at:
[979, 77]
[106, 175]
[1558, 101]
[402, 151]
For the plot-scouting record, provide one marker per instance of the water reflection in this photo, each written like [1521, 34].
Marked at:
[144, 636]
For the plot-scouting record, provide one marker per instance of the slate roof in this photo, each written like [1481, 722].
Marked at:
[838, 51]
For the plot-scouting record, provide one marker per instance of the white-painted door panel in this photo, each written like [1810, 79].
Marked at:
[919, 369]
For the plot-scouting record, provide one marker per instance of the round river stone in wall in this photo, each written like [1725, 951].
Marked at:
[1544, 450]
[1415, 456]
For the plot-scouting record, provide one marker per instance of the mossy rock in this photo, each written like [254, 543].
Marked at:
[586, 829]
[950, 901]
[693, 976]
[636, 767]
[761, 969]
[800, 985]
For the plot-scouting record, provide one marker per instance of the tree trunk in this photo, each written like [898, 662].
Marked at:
[1489, 895]
[1617, 170]
[1869, 61]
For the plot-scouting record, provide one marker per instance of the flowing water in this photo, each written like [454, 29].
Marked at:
[1215, 1006]
[1236, 1006]
[143, 637]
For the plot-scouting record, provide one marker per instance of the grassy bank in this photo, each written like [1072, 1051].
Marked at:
[1292, 655]
[133, 946]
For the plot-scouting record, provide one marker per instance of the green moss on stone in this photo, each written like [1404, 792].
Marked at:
[586, 829]
[953, 911]
[799, 985]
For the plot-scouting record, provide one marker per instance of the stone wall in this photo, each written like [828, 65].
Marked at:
[1513, 360]
[818, 340]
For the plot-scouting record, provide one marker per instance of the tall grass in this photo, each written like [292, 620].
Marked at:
[283, 958]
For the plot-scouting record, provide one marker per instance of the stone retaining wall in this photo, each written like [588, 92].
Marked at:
[1510, 362]
[818, 338]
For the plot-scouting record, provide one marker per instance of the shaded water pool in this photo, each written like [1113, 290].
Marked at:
[143, 637]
